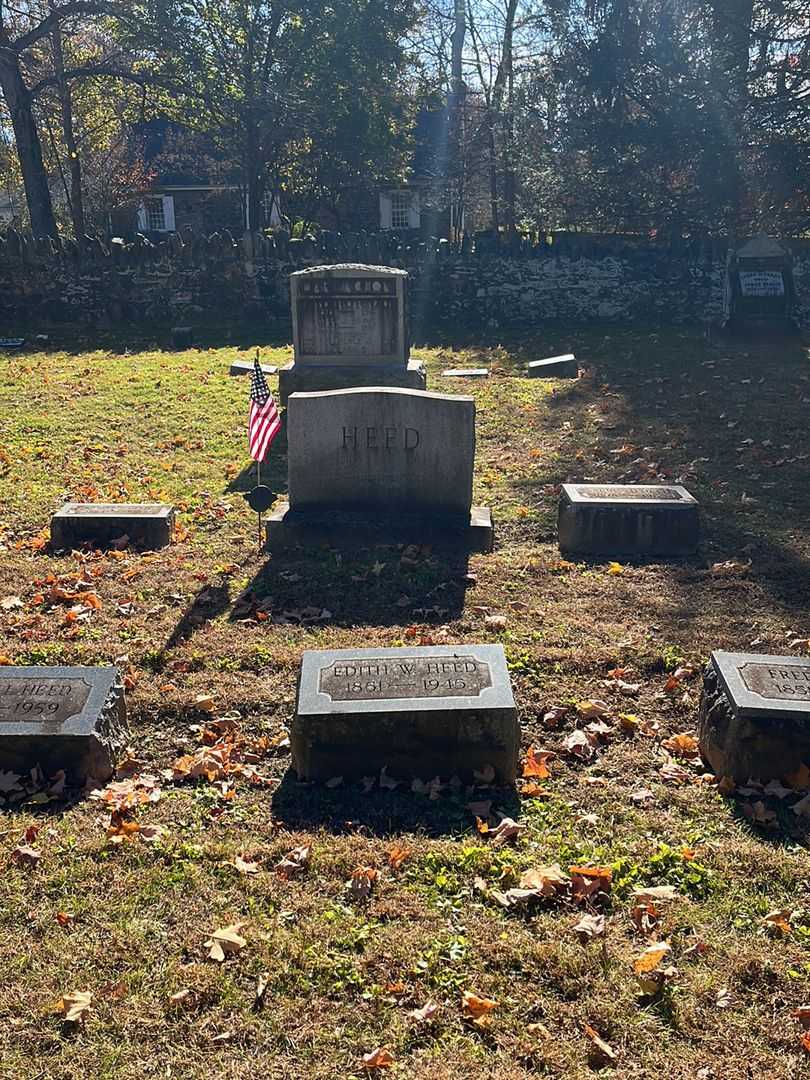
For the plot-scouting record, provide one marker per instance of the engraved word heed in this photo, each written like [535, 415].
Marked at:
[408, 677]
[380, 438]
[54, 700]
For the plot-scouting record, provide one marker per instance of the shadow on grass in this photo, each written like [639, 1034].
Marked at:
[385, 585]
[210, 601]
[348, 809]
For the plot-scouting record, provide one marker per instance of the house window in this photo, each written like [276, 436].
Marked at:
[400, 209]
[155, 215]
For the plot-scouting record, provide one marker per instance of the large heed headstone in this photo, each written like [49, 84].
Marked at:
[147, 525]
[419, 713]
[71, 718]
[755, 715]
[628, 519]
[350, 328]
[380, 465]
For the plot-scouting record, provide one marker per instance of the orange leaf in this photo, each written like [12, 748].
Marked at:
[651, 958]
[397, 856]
[535, 763]
[378, 1059]
[477, 1007]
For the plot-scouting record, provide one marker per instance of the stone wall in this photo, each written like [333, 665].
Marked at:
[192, 278]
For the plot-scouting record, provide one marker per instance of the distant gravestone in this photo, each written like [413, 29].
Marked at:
[419, 713]
[755, 715]
[71, 718]
[627, 519]
[378, 464]
[759, 284]
[555, 367]
[182, 337]
[245, 367]
[465, 373]
[147, 525]
[350, 328]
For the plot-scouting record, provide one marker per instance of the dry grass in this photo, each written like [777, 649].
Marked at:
[343, 975]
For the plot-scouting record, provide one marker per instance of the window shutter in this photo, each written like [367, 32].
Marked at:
[414, 215]
[168, 213]
[385, 210]
[141, 218]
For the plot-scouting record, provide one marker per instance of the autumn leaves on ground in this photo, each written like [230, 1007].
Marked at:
[206, 916]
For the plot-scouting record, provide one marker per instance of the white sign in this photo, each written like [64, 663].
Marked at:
[762, 283]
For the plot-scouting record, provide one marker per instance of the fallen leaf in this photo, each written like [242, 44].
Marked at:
[780, 920]
[724, 999]
[397, 855]
[495, 622]
[378, 1059]
[9, 781]
[684, 745]
[587, 881]
[24, 855]
[184, 999]
[535, 763]
[262, 982]
[655, 893]
[65, 918]
[601, 1050]
[204, 702]
[294, 863]
[580, 745]
[75, 1006]
[589, 927]
[225, 942]
[477, 1009]
[425, 1014]
[592, 710]
[533, 790]
[507, 829]
[651, 958]
[244, 866]
[362, 882]
[615, 568]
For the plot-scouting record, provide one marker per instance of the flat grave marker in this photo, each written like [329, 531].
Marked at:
[147, 525]
[419, 712]
[71, 718]
[628, 519]
[755, 715]
[465, 373]
[245, 367]
[554, 367]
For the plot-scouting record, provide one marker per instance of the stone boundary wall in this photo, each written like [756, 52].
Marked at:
[190, 279]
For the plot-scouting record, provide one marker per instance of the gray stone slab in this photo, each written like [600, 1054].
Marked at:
[71, 718]
[350, 313]
[628, 519]
[554, 367]
[348, 530]
[754, 717]
[245, 367]
[419, 712]
[381, 449]
[147, 525]
[465, 373]
[299, 378]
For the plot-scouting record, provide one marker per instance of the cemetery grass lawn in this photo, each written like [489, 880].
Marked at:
[209, 616]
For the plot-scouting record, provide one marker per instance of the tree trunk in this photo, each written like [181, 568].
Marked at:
[29, 148]
[455, 163]
[731, 32]
[66, 101]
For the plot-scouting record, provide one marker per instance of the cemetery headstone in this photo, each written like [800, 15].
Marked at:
[419, 713]
[759, 285]
[350, 328]
[554, 367]
[71, 718]
[182, 337]
[754, 718]
[147, 525]
[380, 465]
[627, 519]
[244, 367]
[465, 373]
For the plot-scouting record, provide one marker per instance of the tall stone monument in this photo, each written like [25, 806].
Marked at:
[350, 328]
[380, 465]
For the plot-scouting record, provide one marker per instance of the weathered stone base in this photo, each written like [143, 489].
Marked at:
[635, 530]
[409, 745]
[764, 748]
[86, 746]
[148, 525]
[289, 528]
[305, 378]
[555, 367]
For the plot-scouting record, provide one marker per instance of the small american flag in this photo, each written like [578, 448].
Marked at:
[264, 422]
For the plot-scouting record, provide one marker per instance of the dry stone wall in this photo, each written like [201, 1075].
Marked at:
[191, 278]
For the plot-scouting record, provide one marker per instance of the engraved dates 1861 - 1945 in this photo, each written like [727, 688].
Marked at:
[405, 677]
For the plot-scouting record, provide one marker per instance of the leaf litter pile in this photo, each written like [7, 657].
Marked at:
[622, 912]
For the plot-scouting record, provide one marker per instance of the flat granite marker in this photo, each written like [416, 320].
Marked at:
[627, 519]
[148, 525]
[350, 328]
[245, 367]
[71, 718]
[380, 465]
[423, 712]
[554, 367]
[754, 718]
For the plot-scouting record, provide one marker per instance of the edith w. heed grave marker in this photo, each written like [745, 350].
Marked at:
[421, 712]
[380, 465]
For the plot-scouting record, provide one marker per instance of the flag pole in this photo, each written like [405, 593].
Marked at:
[258, 484]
